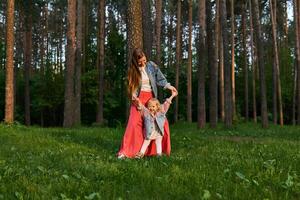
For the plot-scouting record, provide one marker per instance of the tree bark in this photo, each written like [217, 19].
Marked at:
[147, 28]
[244, 32]
[276, 62]
[227, 67]
[253, 63]
[297, 41]
[189, 67]
[178, 55]
[100, 60]
[70, 65]
[232, 58]
[213, 63]
[260, 50]
[27, 60]
[135, 32]
[9, 82]
[78, 64]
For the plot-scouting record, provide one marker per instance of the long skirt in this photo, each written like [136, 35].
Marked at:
[133, 137]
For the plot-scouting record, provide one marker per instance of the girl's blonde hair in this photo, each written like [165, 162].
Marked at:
[134, 74]
[157, 103]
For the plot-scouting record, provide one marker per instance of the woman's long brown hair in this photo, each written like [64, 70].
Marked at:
[134, 74]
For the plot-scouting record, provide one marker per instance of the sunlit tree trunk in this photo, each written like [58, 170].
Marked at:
[227, 67]
[232, 19]
[178, 55]
[221, 75]
[9, 82]
[70, 65]
[100, 59]
[135, 32]
[260, 51]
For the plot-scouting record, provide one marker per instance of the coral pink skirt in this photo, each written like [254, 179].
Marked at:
[133, 137]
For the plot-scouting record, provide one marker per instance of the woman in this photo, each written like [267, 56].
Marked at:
[143, 79]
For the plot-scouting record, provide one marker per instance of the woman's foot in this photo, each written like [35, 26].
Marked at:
[139, 155]
[121, 156]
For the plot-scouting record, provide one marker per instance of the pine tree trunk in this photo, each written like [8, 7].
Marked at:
[78, 64]
[9, 82]
[227, 67]
[260, 51]
[147, 28]
[244, 32]
[158, 20]
[253, 63]
[135, 32]
[213, 63]
[201, 116]
[276, 62]
[27, 60]
[297, 41]
[70, 66]
[221, 74]
[178, 55]
[100, 60]
[189, 67]
[232, 58]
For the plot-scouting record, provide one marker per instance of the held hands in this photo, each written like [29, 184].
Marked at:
[136, 101]
[173, 89]
[174, 94]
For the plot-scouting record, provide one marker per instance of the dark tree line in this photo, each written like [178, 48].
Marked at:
[64, 63]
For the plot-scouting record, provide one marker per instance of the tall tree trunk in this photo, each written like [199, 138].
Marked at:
[147, 28]
[28, 60]
[158, 7]
[178, 55]
[260, 51]
[221, 74]
[9, 82]
[135, 32]
[244, 32]
[78, 64]
[297, 41]
[232, 57]
[213, 63]
[100, 60]
[201, 116]
[189, 67]
[43, 36]
[276, 62]
[70, 65]
[253, 63]
[227, 67]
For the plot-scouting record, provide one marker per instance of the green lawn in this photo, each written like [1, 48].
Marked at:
[246, 162]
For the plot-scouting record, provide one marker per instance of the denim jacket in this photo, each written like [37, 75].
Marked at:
[156, 77]
[151, 121]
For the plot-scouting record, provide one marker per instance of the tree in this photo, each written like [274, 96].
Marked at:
[297, 53]
[277, 85]
[78, 64]
[189, 67]
[70, 65]
[260, 50]
[9, 84]
[232, 57]
[227, 67]
[135, 32]
[100, 59]
[27, 58]
[147, 28]
[178, 55]
[245, 63]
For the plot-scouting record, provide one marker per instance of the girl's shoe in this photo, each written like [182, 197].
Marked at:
[121, 156]
[139, 155]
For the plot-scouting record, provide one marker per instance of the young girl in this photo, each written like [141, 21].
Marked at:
[154, 119]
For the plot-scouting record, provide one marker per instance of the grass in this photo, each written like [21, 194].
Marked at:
[245, 162]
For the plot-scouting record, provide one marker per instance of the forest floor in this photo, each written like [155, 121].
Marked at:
[245, 162]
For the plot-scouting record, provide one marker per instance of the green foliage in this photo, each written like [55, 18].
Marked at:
[245, 162]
